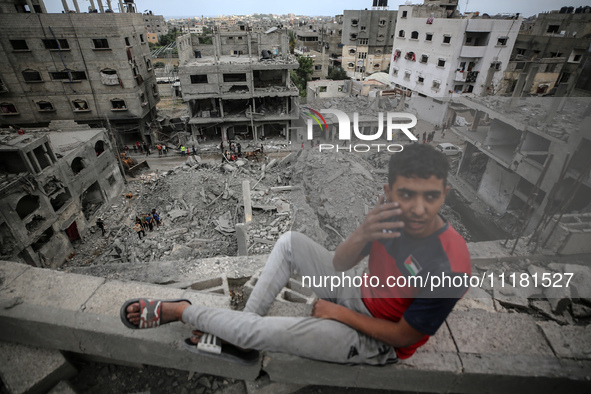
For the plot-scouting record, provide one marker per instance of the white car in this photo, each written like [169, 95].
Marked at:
[449, 149]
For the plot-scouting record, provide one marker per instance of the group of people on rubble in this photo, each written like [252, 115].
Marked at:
[146, 221]
[186, 151]
[234, 152]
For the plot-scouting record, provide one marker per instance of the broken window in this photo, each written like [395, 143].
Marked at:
[421, 80]
[56, 44]
[43, 238]
[446, 39]
[91, 199]
[441, 62]
[45, 106]
[32, 76]
[354, 22]
[401, 33]
[12, 163]
[520, 51]
[109, 77]
[80, 105]
[350, 65]
[142, 39]
[8, 109]
[66, 75]
[378, 53]
[99, 147]
[382, 22]
[198, 78]
[235, 77]
[353, 36]
[436, 84]
[43, 155]
[19, 45]
[394, 72]
[118, 104]
[414, 35]
[553, 29]
[429, 37]
[352, 51]
[502, 41]
[100, 43]
[381, 37]
[407, 75]
[322, 89]
[77, 165]
[127, 42]
[27, 205]
[424, 58]
[60, 200]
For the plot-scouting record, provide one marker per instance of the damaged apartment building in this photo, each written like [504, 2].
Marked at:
[52, 184]
[527, 153]
[440, 53]
[94, 68]
[237, 84]
[550, 50]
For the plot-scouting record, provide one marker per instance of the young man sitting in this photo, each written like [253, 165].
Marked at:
[407, 241]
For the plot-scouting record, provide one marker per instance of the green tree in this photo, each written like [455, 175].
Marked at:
[292, 40]
[336, 73]
[301, 76]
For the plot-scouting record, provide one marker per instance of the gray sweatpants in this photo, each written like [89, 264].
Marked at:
[310, 337]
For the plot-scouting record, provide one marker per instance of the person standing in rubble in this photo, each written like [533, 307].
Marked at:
[159, 147]
[156, 217]
[239, 149]
[222, 147]
[164, 149]
[182, 150]
[194, 151]
[100, 224]
[139, 229]
[149, 221]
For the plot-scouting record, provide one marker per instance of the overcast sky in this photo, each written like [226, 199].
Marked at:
[190, 8]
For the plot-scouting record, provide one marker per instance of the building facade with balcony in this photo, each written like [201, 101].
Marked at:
[439, 53]
[93, 67]
[237, 84]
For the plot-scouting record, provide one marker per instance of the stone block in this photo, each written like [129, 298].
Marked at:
[217, 285]
[568, 341]
[26, 369]
[479, 332]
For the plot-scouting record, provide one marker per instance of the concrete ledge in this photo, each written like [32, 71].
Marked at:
[474, 351]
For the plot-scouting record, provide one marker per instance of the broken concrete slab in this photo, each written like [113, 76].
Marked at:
[242, 238]
[568, 341]
[26, 369]
[559, 298]
[476, 298]
[263, 385]
[9, 271]
[480, 332]
[580, 283]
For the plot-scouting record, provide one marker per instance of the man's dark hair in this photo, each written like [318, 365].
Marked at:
[418, 160]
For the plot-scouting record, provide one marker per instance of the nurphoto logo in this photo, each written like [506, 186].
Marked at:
[393, 122]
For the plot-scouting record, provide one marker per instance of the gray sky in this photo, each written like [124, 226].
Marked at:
[190, 8]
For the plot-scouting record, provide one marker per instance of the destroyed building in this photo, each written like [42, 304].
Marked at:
[238, 84]
[524, 153]
[52, 185]
[321, 42]
[92, 67]
[439, 53]
[155, 26]
[367, 39]
[550, 50]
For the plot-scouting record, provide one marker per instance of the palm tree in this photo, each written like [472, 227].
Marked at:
[292, 40]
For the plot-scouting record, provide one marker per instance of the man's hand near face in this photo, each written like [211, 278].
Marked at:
[376, 225]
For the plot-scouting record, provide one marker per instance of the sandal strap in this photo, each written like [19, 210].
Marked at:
[150, 313]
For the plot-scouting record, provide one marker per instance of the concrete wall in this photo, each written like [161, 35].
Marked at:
[572, 235]
[331, 89]
[497, 186]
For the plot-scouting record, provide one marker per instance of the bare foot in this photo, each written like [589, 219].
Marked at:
[171, 311]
